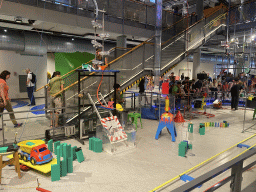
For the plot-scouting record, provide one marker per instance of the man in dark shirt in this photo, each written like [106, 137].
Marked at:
[235, 91]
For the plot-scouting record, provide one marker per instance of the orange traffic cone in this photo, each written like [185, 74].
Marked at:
[179, 118]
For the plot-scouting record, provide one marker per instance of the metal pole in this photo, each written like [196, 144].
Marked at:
[236, 183]
[146, 16]
[79, 116]
[158, 37]
[228, 20]
[2, 117]
[134, 100]
[114, 94]
[46, 99]
[123, 17]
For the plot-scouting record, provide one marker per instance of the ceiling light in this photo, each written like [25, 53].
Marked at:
[73, 39]
[5, 30]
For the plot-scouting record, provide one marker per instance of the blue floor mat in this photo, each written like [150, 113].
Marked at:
[36, 108]
[19, 103]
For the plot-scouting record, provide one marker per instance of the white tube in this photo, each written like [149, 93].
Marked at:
[96, 9]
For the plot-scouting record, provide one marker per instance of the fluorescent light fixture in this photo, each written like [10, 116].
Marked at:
[5, 30]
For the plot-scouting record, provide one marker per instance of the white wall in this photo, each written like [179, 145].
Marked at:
[182, 68]
[15, 62]
[207, 67]
[50, 63]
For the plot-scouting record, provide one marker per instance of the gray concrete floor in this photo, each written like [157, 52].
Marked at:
[147, 166]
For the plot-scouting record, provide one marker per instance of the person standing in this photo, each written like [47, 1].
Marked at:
[56, 85]
[4, 88]
[161, 80]
[30, 87]
[235, 91]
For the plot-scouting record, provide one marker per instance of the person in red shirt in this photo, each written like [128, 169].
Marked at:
[4, 88]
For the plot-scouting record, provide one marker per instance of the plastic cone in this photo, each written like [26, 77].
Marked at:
[179, 118]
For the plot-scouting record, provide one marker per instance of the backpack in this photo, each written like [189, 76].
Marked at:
[33, 80]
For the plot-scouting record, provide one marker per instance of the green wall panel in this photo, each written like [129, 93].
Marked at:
[65, 62]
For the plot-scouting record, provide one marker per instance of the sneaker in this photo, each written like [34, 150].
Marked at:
[18, 125]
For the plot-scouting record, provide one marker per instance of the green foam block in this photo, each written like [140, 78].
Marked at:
[63, 167]
[3, 149]
[70, 165]
[80, 156]
[50, 145]
[55, 172]
[73, 152]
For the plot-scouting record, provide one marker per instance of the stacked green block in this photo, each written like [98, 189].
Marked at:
[70, 165]
[73, 152]
[68, 151]
[202, 130]
[50, 145]
[56, 144]
[64, 152]
[58, 155]
[80, 155]
[95, 145]
[190, 128]
[63, 168]
[61, 149]
[55, 172]
[182, 149]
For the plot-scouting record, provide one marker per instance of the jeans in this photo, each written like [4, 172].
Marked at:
[31, 95]
[234, 102]
[8, 107]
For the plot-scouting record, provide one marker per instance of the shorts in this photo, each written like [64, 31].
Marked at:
[56, 103]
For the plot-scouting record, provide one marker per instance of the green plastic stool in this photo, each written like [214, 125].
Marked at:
[134, 118]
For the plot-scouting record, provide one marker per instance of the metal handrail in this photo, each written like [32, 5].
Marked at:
[200, 164]
[217, 171]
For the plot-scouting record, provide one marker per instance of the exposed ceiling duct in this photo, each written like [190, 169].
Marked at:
[37, 44]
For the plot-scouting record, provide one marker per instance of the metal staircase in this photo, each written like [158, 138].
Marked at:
[139, 61]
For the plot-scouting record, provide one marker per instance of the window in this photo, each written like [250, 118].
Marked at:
[42, 149]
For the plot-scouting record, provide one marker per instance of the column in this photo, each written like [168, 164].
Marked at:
[158, 37]
[196, 63]
[121, 42]
[200, 9]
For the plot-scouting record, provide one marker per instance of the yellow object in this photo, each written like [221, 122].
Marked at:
[250, 98]
[203, 104]
[167, 108]
[119, 107]
[27, 145]
[44, 168]
[243, 152]
[178, 176]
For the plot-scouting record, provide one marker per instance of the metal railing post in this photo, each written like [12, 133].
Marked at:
[2, 118]
[236, 183]
[134, 101]
[46, 99]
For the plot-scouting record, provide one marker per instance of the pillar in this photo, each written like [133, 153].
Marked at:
[196, 63]
[200, 9]
[121, 41]
[158, 39]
